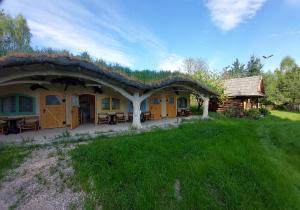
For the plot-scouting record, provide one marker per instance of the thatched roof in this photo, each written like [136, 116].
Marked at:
[246, 86]
[74, 64]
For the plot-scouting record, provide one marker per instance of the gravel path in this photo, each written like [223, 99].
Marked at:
[42, 181]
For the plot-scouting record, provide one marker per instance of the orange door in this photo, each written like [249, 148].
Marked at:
[171, 106]
[53, 110]
[155, 107]
[75, 117]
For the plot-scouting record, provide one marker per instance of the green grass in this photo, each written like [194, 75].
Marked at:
[10, 156]
[220, 164]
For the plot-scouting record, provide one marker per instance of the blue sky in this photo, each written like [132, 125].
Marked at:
[159, 34]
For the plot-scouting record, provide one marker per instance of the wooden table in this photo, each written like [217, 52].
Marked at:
[112, 118]
[12, 124]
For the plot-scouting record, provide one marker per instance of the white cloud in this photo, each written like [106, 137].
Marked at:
[274, 35]
[172, 62]
[101, 30]
[228, 14]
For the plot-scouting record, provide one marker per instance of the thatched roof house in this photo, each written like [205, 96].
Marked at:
[243, 93]
[52, 86]
[246, 86]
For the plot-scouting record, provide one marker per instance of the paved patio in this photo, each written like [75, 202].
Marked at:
[85, 132]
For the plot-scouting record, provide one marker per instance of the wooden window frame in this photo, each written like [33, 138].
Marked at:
[17, 98]
[110, 104]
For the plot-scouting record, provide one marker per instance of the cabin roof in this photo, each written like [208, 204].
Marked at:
[246, 86]
[8, 64]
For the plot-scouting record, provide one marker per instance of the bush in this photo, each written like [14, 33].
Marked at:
[195, 111]
[252, 113]
[231, 112]
[264, 111]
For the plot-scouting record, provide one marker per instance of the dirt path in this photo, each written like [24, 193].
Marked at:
[42, 181]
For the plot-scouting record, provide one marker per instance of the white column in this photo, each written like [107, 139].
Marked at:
[136, 102]
[205, 107]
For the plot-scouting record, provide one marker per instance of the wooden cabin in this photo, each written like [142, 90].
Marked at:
[243, 93]
[63, 91]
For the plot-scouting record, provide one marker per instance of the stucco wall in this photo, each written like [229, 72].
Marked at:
[77, 90]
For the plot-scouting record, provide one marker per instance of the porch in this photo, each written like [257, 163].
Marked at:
[86, 131]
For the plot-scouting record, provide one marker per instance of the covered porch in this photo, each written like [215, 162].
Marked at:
[86, 131]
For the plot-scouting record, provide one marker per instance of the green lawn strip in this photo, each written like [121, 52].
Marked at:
[220, 164]
[11, 156]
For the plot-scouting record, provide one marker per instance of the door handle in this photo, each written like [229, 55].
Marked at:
[44, 111]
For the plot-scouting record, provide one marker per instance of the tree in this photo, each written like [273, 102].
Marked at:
[283, 86]
[15, 34]
[287, 64]
[192, 65]
[237, 69]
[198, 69]
[254, 66]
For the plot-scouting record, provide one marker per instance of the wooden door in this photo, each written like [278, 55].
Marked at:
[53, 110]
[171, 106]
[155, 107]
[75, 117]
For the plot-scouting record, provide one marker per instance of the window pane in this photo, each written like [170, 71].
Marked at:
[105, 104]
[182, 103]
[155, 100]
[8, 104]
[25, 104]
[115, 103]
[52, 100]
[171, 100]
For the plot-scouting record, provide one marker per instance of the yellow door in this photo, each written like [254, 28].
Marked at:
[53, 110]
[171, 106]
[75, 117]
[155, 107]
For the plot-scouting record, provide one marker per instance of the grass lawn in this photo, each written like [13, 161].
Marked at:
[217, 164]
[10, 156]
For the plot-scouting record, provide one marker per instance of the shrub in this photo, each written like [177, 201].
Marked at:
[231, 112]
[264, 111]
[252, 113]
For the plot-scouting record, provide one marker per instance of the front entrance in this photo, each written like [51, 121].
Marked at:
[53, 110]
[155, 107]
[87, 108]
[171, 106]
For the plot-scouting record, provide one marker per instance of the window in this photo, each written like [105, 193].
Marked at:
[115, 103]
[105, 104]
[171, 100]
[25, 104]
[110, 104]
[9, 104]
[17, 105]
[52, 100]
[181, 103]
[155, 100]
[143, 106]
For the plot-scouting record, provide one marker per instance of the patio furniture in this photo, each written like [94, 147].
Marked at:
[103, 118]
[147, 116]
[180, 113]
[120, 117]
[28, 123]
[13, 123]
[187, 112]
[3, 126]
[112, 118]
[130, 116]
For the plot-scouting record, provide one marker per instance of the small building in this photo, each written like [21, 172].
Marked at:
[242, 93]
[64, 91]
